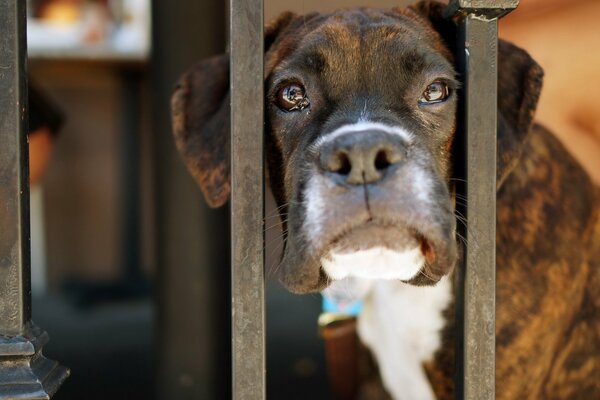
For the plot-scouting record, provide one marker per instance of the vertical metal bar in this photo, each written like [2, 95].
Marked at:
[24, 372]
[247, 199]
[15, 302]
[477, 54]
[480, 272]
[130, 183]
[192, 241]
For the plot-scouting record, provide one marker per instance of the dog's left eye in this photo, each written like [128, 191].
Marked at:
[292, 97]
[436, 92]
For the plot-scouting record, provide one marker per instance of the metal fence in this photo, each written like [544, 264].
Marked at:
[25, 374]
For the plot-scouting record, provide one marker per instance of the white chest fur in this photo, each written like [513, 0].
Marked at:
[401, 325]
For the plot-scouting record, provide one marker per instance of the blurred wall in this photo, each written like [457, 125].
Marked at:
[83, 186]
[563, 37]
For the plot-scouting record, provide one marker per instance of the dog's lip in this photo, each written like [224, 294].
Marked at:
[427, 249]
[414, 237]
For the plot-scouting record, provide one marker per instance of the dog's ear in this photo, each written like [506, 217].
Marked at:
[520, 81]
[200, 116]
[201, 123]
[519, 86]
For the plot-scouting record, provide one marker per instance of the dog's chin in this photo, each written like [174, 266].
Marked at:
[374, 263]
[377, 251]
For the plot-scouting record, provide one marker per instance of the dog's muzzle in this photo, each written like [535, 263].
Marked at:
[373, 206]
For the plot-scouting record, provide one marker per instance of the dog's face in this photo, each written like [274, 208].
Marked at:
[361, 114]
[360, 121]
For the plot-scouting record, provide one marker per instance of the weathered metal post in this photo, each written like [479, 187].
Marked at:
[477, 54]
[247, 200]
[24, 372]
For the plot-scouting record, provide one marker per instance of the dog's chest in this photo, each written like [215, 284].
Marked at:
[401, 325]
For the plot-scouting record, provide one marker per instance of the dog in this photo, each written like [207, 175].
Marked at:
[360, 122]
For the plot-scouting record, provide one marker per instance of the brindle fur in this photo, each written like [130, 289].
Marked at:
[548, 216]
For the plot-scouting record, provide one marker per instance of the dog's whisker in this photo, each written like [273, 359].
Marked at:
[465, 221]
[462, 239]
[424, 273]
[273, 213]
[458, 180]
[273, 269]
[461, 197]
[275, 216]
[275, 240]
[278, 224]
[466, 241]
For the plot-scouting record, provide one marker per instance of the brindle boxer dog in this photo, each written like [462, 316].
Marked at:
[360, 124]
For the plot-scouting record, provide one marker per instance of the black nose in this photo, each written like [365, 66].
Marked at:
[362, 157]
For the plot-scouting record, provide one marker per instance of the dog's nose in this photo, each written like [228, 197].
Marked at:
[361, 157]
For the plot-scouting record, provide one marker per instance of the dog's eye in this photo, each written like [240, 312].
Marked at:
[292, 97]
[436, 92]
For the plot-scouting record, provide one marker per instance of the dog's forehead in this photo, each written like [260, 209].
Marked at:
[348, 38]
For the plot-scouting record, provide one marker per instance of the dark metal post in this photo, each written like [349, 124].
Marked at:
[247, 200]
[192, 241]
[130, 185]
[24, 372]
[477, 52]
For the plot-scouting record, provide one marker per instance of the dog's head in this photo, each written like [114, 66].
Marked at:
[360, 115]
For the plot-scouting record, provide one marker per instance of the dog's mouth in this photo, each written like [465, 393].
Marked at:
[373, 233]
[381, 250]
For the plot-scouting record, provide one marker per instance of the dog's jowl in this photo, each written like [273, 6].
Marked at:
[360, 123]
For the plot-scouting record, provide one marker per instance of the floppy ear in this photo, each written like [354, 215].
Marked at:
[519, 86]
[200, 116]
[200, 110]
[520, 81]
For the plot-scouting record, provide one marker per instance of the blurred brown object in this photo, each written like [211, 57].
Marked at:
[45, 120]
[62, 12]
[41, 143]
[563, 36]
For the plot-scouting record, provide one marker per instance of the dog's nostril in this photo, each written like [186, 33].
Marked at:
[340, 163]
[345, 165]
[382, 160]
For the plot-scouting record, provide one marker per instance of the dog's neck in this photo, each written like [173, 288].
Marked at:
[401, 325]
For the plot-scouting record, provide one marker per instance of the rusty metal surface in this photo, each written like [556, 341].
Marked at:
[15, 305]
[247, 199]
[489, 8]
[477, 54]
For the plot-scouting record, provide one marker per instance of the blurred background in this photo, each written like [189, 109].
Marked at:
[130, 269]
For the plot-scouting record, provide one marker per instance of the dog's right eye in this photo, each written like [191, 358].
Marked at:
[436, 92]
[292, 97]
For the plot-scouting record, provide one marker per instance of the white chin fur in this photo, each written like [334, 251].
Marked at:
[375, 263]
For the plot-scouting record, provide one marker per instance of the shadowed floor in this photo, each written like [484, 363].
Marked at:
[110, 347]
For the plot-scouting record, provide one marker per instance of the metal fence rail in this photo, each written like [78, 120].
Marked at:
[247, 200]
[24, 372]
[477, 54]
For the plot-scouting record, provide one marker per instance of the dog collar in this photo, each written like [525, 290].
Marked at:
[352, 308]
[343, 300]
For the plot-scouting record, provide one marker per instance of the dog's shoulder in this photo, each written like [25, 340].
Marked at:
[548, 253]
[550, 189]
